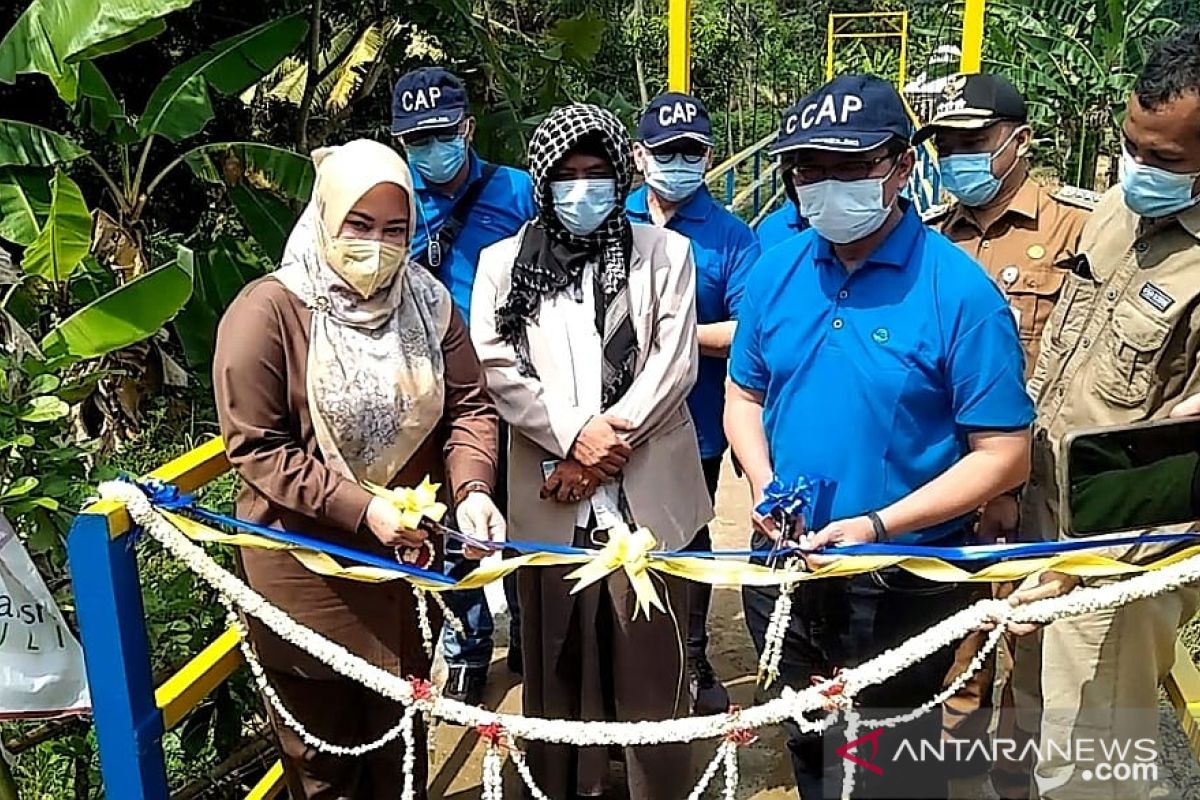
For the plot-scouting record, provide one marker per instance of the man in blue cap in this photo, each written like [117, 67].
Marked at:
[875, 360]
[465, 205]
[673, 151]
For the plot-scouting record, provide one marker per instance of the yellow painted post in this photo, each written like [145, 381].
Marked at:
[903, 52]
[972, 36]
[679, 45]
[829, 49]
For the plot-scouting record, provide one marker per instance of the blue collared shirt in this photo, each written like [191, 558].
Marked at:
[505, 204]
[724, 248]
[872, 380]
[780, 225]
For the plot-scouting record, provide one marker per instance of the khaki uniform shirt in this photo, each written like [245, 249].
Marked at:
[1024, 250]
[1122, 345]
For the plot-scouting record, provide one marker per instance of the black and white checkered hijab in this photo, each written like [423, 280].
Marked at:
[551, 259]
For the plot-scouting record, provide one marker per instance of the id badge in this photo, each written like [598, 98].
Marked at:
[608, 516]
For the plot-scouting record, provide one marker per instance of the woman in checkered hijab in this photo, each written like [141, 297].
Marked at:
[586, 328]
[555, 249]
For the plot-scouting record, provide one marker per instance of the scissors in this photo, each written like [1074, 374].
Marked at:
[786, 544]
[445, 531]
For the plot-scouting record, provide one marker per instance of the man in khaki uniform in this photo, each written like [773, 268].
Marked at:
[1121, 346]
[1023, 236]
[1021, 233]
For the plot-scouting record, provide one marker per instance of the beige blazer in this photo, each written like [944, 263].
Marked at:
[663, 481]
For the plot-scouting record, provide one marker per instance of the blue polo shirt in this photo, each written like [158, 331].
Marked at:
[724, 249]
[781, 224]
[504, 206]
[872, 380]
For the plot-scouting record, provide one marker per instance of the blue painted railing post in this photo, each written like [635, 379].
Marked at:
[112, 627]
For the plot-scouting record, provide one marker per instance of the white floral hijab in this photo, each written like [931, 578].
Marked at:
[375, 367]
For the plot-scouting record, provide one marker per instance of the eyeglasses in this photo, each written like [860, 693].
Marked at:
[689, 157]
[844, 171]
[424, 140]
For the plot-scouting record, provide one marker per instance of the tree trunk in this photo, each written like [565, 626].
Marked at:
[638, 67]
[311, 77]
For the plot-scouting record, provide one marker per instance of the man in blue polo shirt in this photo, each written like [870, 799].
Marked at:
[461, 196]
[784, 222]
[673, 152]
[464, 205]
[875, 359]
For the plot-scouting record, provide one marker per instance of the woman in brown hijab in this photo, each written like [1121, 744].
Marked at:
[348, 365]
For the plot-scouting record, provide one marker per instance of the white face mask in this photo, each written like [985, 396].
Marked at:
[845, 211]
[582, 205]
[1155, 192]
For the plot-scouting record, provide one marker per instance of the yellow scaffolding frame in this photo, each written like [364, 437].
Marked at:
[679, 45]
[895, 26]
[972, 37]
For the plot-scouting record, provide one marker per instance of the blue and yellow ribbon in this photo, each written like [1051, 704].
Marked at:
[636, 553]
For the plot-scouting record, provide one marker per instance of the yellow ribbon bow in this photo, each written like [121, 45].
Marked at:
[415, 503]
[628, 550]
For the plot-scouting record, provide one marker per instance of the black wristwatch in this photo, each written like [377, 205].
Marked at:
[881, 533]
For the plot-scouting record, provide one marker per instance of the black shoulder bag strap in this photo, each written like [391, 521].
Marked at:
[443, 239]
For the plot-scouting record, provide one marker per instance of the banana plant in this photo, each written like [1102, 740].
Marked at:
[1076, 61]
[43, 210]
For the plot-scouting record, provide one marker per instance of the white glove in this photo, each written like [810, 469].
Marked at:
[478, 517]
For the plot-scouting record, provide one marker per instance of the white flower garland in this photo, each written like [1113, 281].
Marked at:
[777, 627]
[272, 697]
[423, 621]
[408, 766]
[710, 772]
[731, 770]
[792, 704]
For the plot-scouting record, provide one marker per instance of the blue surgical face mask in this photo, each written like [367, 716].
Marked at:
[1154, 192]
[438, 161]
[845, 211]
[674, 179]
[969, 176]
[583, 205]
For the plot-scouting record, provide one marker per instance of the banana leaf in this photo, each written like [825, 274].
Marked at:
[24, 203]
[26, 145]
[126, 315]
[181, 106]
[268, 218]
[263, 166]
[65, 238]
[220, 273]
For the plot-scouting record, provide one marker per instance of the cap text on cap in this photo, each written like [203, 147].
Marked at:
[824, 110]
[421, 99]
[677, 112]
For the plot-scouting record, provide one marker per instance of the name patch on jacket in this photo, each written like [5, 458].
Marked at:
[1156, 296]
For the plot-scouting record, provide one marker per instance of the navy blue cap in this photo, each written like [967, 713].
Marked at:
[673, 116]
[851, 113]
[427, 98]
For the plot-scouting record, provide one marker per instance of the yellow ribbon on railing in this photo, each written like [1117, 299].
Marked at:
[628, 550]
[633, 551]
[414, 504]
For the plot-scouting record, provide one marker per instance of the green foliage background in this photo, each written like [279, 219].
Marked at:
[194, 167]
